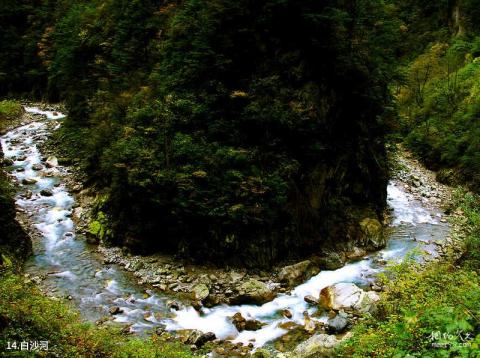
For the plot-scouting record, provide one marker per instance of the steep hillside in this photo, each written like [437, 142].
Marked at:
[234, 129]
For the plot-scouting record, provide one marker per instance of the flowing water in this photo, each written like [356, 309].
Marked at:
[75, 270]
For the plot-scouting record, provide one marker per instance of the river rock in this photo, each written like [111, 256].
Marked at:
[37, 166]
[51, 162]
[348, 296]
[338, 323]
[242, 324]
[310, 299]
[315, 346]
[173, 305]
[372, 233]
[287, 313]
[252, 291]
[201, 291]
[29, 181]
[297, 273]
[115, 310]
[46, 192]
[198, 338]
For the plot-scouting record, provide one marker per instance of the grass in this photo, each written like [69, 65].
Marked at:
[27, 315]
[10, 109]
[432, 311]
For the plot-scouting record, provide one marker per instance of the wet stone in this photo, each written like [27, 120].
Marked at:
[115, 310]
[46, 192]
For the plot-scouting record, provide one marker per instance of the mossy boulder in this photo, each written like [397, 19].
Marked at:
[253, 291]
[201, 291]
[372, 234]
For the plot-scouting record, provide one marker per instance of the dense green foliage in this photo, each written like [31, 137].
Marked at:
[439, 305]
[252, 130]
[9, 110]
[438, 99]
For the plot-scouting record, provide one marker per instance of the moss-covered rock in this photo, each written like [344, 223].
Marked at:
[372, 233]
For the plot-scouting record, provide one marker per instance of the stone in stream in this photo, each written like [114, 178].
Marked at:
[29, 181]
[37, 166]
[242, 324]
[115, 310]
[51, 162]
[310, 299]
[348, 296]
[173, 305]
[197, 305]
[287, 313]
[252, 291]
[46, 192]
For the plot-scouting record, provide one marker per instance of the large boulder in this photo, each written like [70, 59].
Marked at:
[252, 291]
[348, 297]
[315, 346]
[372, 234]
[297, 273]
[331, 260]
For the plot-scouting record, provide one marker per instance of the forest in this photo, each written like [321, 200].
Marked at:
[250, 135]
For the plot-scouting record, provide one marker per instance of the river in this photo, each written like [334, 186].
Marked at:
[74, 269]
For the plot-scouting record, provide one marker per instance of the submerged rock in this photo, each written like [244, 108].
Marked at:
[348, 296]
